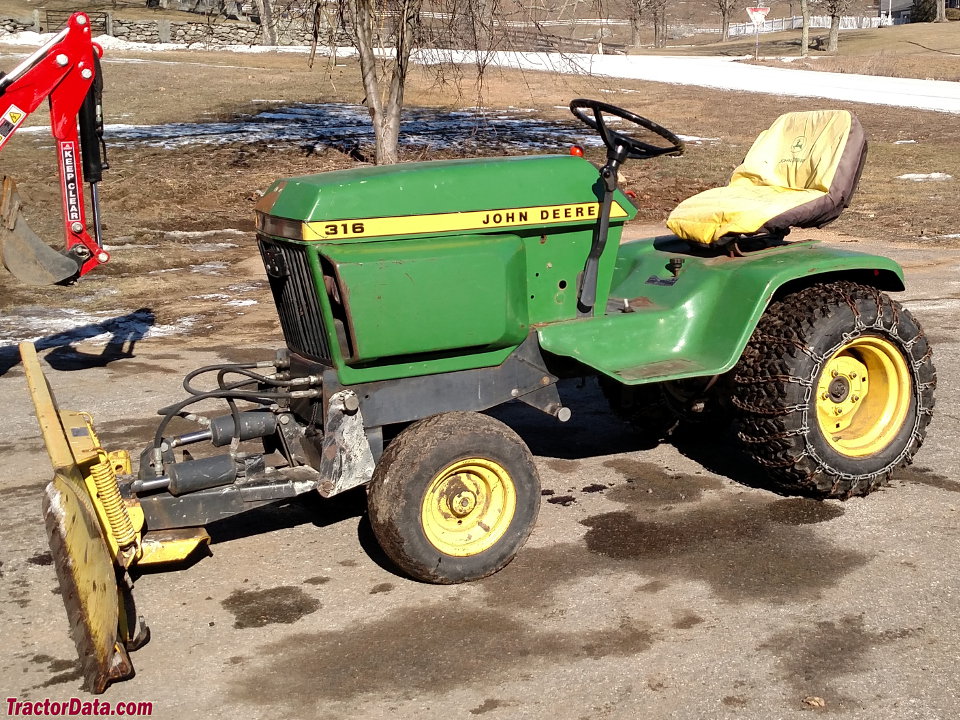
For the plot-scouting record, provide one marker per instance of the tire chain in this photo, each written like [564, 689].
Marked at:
[783, 326]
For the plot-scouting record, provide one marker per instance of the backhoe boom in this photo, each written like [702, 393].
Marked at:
[66, 70]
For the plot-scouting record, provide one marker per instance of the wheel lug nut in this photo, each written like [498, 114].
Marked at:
[833, 373]
[855, 398]
[838, 411]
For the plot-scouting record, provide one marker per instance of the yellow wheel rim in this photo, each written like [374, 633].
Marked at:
[468, 507]
[863, 396]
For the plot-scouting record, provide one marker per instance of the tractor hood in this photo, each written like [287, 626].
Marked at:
[522, 194]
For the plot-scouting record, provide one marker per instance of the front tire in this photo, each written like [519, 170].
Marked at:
[454, 497]
[833, 392]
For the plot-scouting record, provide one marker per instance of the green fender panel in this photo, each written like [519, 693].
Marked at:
[698, 323]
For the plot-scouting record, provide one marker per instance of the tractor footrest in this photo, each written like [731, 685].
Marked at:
[174, 545]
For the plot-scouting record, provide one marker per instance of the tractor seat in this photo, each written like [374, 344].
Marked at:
[801, 172]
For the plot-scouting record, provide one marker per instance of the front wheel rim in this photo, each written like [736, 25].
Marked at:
[863, 396]
[468, 507]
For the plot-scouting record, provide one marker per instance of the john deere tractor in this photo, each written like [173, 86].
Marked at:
[414, 297]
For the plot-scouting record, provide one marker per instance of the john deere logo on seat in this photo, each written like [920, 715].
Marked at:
[798, 144]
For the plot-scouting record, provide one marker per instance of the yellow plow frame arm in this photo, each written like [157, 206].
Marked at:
[82, 508]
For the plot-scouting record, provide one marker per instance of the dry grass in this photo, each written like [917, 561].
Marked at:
[925, 66]
[923, 50]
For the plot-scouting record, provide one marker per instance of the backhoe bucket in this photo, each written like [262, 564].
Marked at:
[93, 585]
[25, 255]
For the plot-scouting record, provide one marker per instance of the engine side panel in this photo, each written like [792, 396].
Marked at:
[409, 297]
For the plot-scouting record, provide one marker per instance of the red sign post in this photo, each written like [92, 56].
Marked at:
[757, 16]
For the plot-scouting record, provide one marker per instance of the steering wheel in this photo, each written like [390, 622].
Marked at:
[619, 145]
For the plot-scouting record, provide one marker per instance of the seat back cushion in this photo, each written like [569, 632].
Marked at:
[801, 172]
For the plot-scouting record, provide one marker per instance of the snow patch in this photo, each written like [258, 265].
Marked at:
[56, 327]
[210, 268]
[344, 126]
[725, 73]
[212, 247]
[921, 177]
[698, 140]
[27, 38]
[244, 287]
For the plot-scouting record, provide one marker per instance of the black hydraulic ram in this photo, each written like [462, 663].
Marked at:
[93, 150]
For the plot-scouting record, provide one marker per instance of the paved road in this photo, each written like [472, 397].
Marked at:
[658, 587]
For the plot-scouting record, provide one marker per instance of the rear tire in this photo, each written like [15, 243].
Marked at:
[454, 497]
[833, 392]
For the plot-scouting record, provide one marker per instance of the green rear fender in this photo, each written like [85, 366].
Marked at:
[698, 323]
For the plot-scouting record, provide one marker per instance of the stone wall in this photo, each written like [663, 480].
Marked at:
[161, 30]
[11, 25]
[153, 31]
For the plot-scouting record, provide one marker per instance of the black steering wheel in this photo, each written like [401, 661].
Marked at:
[621, 146]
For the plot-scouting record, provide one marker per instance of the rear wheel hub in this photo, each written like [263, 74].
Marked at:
[863, 396]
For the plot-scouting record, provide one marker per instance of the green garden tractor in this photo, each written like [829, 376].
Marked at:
[413, 298]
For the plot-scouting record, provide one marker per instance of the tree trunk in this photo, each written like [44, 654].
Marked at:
[724, 24]
[941, 11]
[384, 103]
[660, 27]
[636, 20]
[805, 28]
[834, 40]
[266, 22]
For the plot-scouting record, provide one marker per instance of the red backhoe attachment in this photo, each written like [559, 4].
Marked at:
[66, 70]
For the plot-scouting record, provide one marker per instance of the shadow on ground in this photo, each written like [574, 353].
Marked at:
[125, 330]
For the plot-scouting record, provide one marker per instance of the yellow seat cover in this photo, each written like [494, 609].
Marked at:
[800, 172]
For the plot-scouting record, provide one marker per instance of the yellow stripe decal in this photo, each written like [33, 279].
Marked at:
[454, 222]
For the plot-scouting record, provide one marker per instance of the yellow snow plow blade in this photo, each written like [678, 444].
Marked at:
[25, 255]
[93, 581]
[88, 583]
[96, 533]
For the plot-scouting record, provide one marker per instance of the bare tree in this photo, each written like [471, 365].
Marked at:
[835, 9]
[637, 9]
[805, 28]
[268, 30]
[384, 84]
[726, 8]
[658, 11]
[385, 32]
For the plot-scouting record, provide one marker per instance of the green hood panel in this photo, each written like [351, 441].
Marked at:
[441, 197]
[700, 324]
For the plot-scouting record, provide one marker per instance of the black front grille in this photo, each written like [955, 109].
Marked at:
[295, 296]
